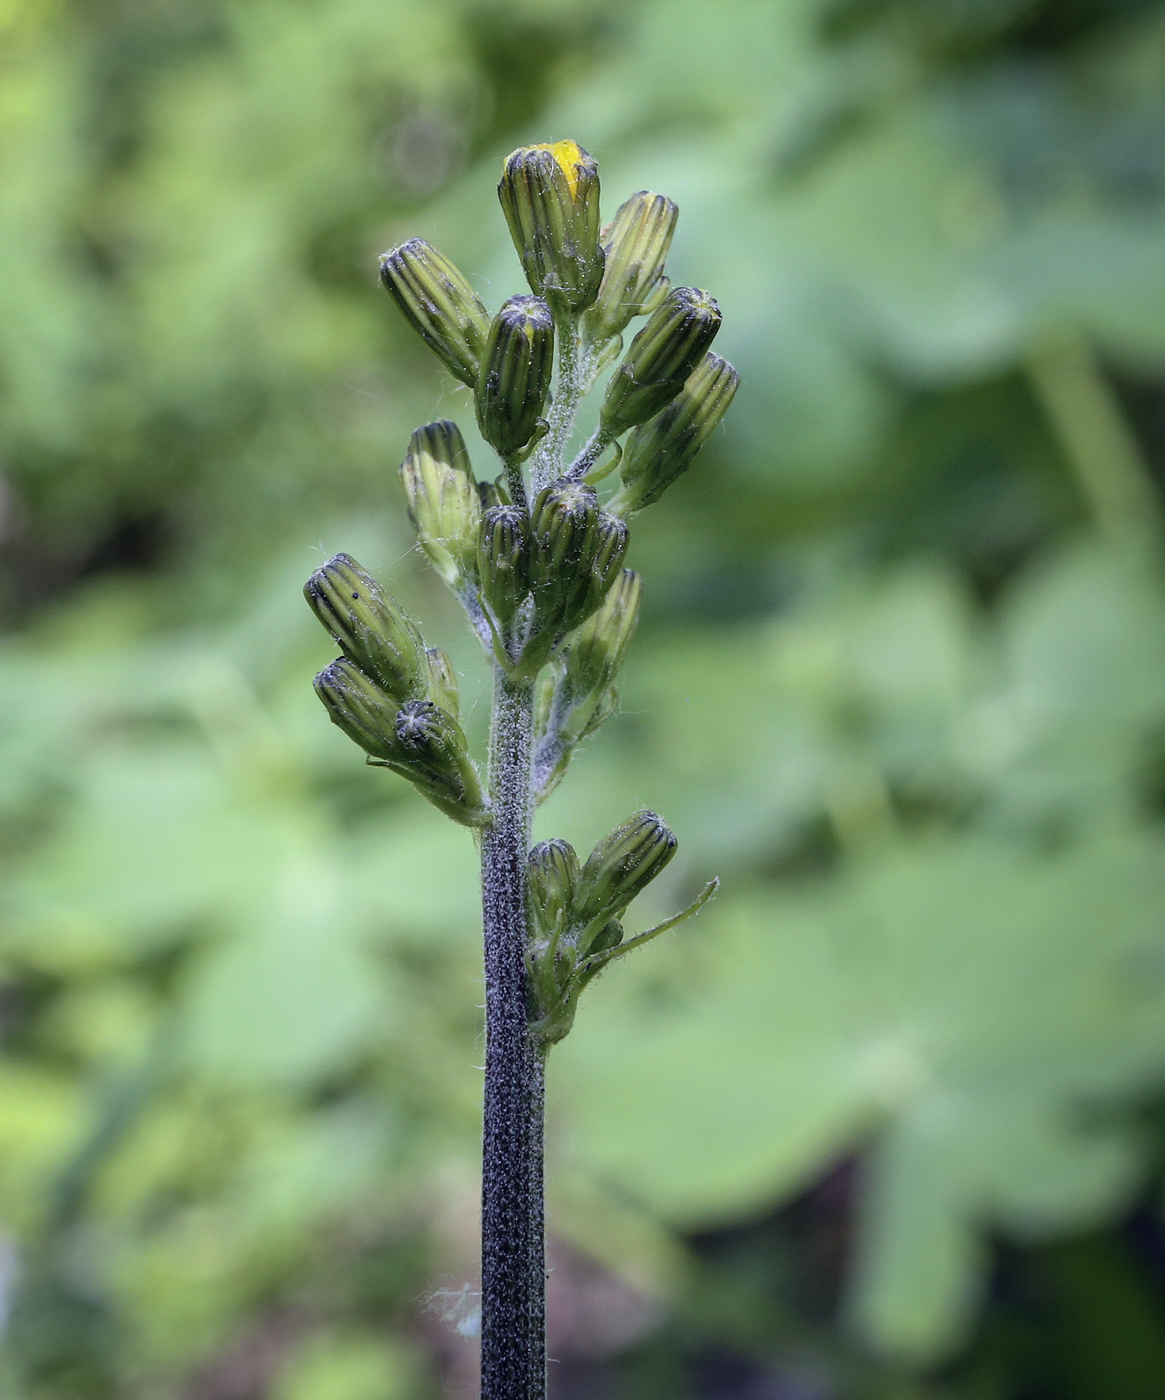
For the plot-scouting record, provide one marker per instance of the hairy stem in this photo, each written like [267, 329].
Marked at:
[513, 1284]
[546, 463]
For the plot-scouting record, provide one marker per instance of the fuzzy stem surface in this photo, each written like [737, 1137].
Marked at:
[513, 1264]
[546, 463]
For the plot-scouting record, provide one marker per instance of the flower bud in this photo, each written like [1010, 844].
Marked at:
[435, 746]
[502, 561]
[550, 197]
[562, 525]
[660, 359]
[439, 304]
[576, 552]
[360, 708]
[516, 368]
[622, 865]
[596, 650]
[442, 500]
[443, 689]
[597, 571]
[636, 244]
[368, 626]
[661, 450]
[551, 873]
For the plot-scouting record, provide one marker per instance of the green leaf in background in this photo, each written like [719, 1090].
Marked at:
[900, 681]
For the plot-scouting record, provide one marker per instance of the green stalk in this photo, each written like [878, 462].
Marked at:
[546, 462]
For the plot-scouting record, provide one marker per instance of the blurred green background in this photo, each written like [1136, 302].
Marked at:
[886, 1122]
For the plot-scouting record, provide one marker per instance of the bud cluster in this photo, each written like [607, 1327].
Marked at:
[536, 555]
[575, 911]
[391, 695]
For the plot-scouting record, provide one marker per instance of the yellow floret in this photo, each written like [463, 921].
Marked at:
[569, 156]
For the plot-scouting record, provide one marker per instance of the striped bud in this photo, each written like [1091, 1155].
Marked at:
[440, 305]
[636, 244]
[551, 874]
[596, 650]
[562, 525]
[597, 573]
[435, 746]
[360, 708]
[550, 197]
[443, 689]
[622, 865]
[369, 628]
[576, 552]
[503, 562]
[442, 500]
[660, 359]
[660, 451]
[516, 368]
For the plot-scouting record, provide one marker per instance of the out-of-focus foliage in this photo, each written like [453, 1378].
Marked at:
[900, 683]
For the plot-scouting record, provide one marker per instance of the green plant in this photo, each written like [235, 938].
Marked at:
[536, 562]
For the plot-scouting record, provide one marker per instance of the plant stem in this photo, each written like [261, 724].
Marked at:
[546, 463]
[513, 1270]
[1102, 449]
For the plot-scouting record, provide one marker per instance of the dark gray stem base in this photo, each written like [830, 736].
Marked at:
[513, 1256]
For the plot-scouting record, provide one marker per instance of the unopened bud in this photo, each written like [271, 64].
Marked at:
[576, 552]
[660, 359]
[443, 690]
[359, 707]
[439, 304]
[550, 197]
[597, 572]
[516, 369]
[622, 865]
[503, 562]
[551, 874]
[442, 499]
[435, 743]
[636, 244]
[562, 523]
[596, 650]
[661, 450]
[368, 626]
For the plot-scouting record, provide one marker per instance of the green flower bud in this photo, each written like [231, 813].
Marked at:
[622, 865]
[636, 244]
[443, 690]
[439, 304]
[660, 359]
[360, 708]
[550, 197]
[562, 526]
[442, 500]
[596, 650]
[516, 368]
[503, 562]
[438, 755]
[597, 572]
[661, 450]
[551, 874]
[576, 552]
[368, 626]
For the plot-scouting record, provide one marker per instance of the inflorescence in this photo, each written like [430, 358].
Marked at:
[534, 555]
